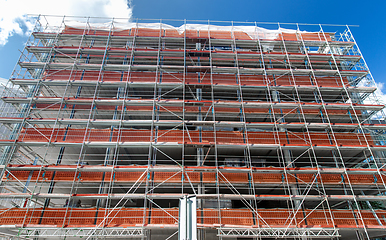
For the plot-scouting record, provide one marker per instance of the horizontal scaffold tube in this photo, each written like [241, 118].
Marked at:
[218, 104]
[209, 175]
[174, 34]
[174, 168]
[73, 135]
[140, 217]
[207, 32]
[52, 77]
[307, 88]
[173, 123]
[180, 68]
[121, 52]
[176, 145]
[118, 196]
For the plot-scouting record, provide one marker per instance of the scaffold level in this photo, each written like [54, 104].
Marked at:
[276, 130]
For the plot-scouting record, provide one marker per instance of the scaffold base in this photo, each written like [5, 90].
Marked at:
[279, 232]
[93, 233]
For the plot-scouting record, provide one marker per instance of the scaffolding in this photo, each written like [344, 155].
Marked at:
[277, 132]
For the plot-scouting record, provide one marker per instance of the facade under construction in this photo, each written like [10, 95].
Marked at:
[275, 129]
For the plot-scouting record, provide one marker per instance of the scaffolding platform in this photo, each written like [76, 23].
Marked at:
[277, 132]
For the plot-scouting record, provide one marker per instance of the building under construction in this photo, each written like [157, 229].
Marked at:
[274, 129]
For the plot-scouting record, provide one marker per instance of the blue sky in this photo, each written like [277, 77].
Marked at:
[370, 35]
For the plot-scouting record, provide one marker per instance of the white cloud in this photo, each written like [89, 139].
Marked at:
[378, 97]
[3, 81]
[380, 92]
[14, 19]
